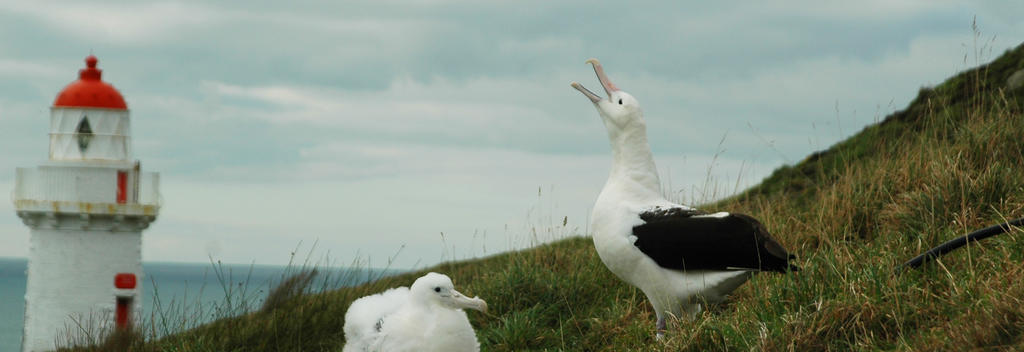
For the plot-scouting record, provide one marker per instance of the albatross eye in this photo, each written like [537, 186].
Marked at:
[437, 289]
[620, 101]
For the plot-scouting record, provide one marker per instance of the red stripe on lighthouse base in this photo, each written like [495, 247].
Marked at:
[124, 312]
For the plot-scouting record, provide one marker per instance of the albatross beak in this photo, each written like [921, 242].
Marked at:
[460, 301]
[607, 83]
[609, 87]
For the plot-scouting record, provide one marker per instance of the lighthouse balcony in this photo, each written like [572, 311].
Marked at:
[88, 188]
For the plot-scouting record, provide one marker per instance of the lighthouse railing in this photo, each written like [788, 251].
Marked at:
[88, 185]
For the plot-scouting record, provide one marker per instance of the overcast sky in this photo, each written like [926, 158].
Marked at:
[369, 126]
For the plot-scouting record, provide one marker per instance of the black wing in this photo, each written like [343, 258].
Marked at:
[677, 238]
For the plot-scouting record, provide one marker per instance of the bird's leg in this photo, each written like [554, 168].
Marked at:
[692, 310]
[661, 328]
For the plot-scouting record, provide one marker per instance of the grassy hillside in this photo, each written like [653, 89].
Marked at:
[952, 161]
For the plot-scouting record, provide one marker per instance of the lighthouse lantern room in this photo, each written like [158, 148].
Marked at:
[86, 208]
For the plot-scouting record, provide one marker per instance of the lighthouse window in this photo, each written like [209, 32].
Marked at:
[84, 133]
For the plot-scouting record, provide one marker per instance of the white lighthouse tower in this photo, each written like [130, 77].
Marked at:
[86, 208]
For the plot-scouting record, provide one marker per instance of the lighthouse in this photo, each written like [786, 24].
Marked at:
[86, 207]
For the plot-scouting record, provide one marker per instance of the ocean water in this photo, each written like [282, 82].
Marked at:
[175, 290]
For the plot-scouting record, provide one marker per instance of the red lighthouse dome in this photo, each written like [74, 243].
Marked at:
[90, 91]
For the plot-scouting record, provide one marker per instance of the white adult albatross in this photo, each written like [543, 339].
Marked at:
[677, 255]
[426, 317]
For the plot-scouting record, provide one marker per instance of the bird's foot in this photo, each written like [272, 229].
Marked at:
[661, 329]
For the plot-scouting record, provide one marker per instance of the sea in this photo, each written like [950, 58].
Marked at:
[179, 290]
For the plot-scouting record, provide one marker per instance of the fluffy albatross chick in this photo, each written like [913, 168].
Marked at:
[428, 316]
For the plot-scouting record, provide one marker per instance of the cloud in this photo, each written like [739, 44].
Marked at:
[24, 69]
[132, 23]
[484, 112]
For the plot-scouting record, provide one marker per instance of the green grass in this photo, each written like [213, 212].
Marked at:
[951, 162]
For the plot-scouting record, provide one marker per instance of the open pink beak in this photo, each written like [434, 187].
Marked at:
[609, 87]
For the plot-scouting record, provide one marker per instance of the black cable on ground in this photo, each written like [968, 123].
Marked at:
[959, 242]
